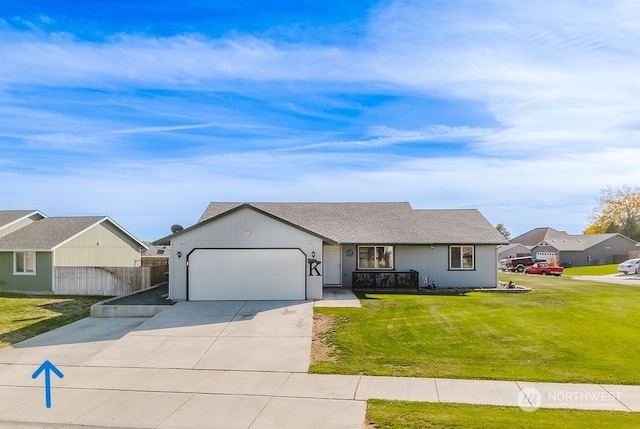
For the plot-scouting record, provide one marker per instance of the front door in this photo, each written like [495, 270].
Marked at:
[331, 267]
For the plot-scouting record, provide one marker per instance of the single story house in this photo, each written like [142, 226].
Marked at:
[559, 247]
[290, 251]
[585, 249]
[33, 246]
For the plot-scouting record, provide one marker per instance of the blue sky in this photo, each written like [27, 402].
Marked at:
[147, 110]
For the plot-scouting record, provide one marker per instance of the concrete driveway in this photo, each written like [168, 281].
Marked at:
[225, 364]
[225, 335]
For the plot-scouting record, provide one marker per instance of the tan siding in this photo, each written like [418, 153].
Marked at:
[21, 224]
[115, 249]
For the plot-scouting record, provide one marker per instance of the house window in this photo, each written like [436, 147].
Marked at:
[24, 263]
[461, 258]
[375, 257]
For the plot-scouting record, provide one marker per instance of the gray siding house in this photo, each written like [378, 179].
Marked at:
[559, 247]
[293, 250]
[586, 249]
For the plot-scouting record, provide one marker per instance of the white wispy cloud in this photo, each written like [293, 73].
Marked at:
[381, 136]
[162, 129]
[550, 81]
[541, 191]
[170, 62]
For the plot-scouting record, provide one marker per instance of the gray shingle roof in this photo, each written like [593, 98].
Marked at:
[512, 246]
[9, 216]
[577, 243]
[47, 233]
[462, 226]
[392, 223]
[537, 235]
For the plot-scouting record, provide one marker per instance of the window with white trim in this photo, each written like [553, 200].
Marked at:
[375, 257]
[24, 263]
[461, 258]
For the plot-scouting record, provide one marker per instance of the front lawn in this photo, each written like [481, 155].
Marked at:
[593, 270]
[23, 317]
[402, 415]
[563, 331]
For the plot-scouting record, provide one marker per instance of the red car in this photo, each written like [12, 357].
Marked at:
[544, 269]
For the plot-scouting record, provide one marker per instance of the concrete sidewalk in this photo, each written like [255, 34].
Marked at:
[230, 365]
[179, 398]
[338, 297]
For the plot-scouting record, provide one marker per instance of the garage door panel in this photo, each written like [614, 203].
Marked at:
[247, 274]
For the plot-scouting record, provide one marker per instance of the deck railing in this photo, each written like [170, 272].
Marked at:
[385, 280]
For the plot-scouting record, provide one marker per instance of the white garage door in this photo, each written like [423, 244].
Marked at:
[247, 274]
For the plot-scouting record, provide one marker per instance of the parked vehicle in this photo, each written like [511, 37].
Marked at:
[630, 266]
[544, 269]
[516, 264]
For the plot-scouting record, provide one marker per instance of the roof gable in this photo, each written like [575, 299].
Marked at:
[229, 208]
[52, 232]
[538, 235]
[338, 222]
[8, 217]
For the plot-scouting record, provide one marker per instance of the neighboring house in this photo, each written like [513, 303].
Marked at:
[31, 253]
[154, 256]
[584, 249]
[561, 248]
[513, 250]
[537, 235]
[292, 250]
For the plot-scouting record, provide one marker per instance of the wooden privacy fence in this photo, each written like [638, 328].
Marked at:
[108, 281]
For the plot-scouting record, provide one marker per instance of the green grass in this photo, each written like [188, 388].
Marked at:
[564, 331]
[404, 415]
[593, 270]
[23, 317]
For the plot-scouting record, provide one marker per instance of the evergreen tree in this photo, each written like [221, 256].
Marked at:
[504, 231]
